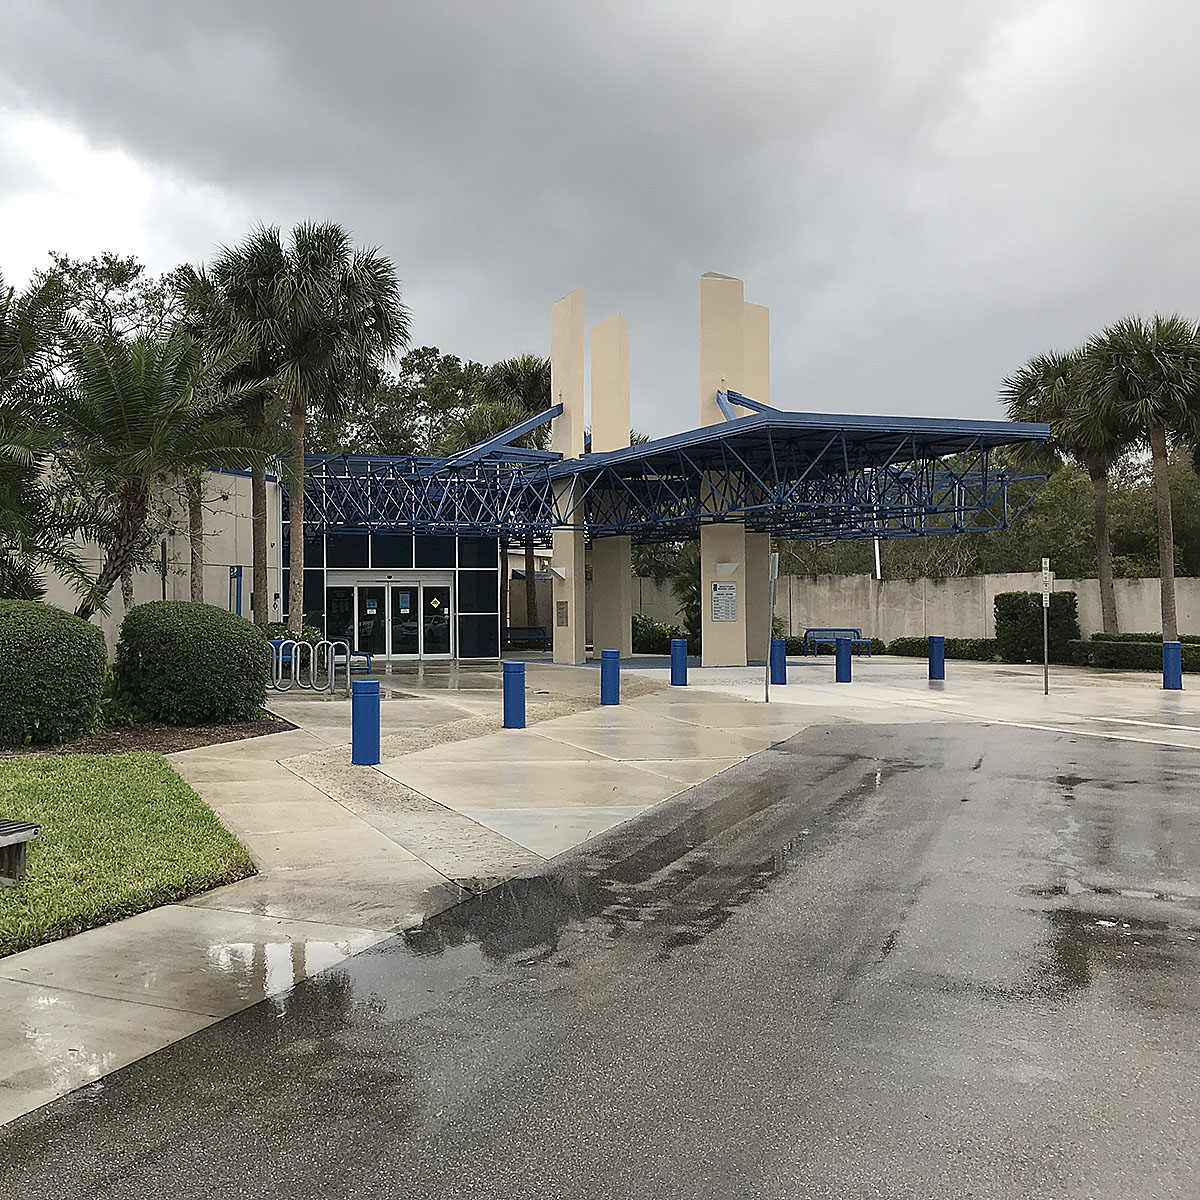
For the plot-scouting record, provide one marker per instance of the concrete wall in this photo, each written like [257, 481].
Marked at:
[955, 607]
[227, 543]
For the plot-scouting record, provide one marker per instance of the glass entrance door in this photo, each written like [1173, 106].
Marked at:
[372, 619]
[406, 623]
[392, 620]
[435, 621]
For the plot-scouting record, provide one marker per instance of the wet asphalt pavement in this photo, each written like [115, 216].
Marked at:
[899, 961]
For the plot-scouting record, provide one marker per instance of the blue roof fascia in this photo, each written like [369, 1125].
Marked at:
[993, 433]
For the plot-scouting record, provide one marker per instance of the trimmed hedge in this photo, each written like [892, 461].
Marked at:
[192, 664]
[52, 667]
[651, 636]
[308, 633]
[1019, 626]
[1185, 638]
[963, 649]
[1129, 656]
[794, 647]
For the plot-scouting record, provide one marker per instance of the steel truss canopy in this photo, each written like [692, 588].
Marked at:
[811, 476]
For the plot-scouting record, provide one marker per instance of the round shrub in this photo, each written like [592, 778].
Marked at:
[192, 664]
[52, 667]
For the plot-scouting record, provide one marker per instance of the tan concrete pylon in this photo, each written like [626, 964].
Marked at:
[612, 596]
[566, 436]
[734, 356]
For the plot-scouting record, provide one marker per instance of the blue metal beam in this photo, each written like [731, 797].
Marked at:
[792, 474]
[745, 402]
[725, 407]
[496, 442]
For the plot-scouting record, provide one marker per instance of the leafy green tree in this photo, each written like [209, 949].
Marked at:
[136, 408]
[410, 410]
[37, 520]
[319, 318]
[112, 292]
[1144, 375]
[1052, 388]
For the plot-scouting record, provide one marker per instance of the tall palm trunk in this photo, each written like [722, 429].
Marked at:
[531, 598]
[133, 503]
[194, 490]
[1098, 474]
[299, 418]
[1166, 534]
[127, 588]
[256, 421]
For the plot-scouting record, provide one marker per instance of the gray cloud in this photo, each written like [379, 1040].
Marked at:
[923, 193]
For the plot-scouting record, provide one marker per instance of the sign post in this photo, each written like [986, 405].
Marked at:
[1047, 586]
[774, 581]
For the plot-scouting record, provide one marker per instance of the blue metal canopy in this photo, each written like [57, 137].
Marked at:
[816, 476]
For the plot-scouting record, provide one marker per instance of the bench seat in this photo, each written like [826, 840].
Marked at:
[526, 633]
[829, 635]
[15, 837]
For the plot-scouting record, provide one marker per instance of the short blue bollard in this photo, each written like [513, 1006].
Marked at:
[778, 661]
[842, 655]
[1172, 667]
[610, 677]
[679, 662]
[514, 695]
[937, 656]
[364, 723]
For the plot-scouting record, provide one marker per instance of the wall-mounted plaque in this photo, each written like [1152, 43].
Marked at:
[724, 600]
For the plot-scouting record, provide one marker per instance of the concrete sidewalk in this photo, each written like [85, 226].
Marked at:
[349, 855]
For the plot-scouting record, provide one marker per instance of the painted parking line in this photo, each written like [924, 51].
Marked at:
[1075, 731]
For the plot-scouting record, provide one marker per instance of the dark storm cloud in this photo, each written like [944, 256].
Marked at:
[923, 193]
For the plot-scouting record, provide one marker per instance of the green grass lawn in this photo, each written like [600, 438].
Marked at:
[120, 833]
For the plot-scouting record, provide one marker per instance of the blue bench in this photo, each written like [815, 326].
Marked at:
[813, 638]
[528, 634]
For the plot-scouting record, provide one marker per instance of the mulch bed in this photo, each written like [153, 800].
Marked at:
[162, 739]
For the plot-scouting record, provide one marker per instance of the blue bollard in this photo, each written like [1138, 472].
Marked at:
[842, 655]
[679, 662]
[610, 677]
[514, 695]
[778, 661]
[937, 656]
[364, 723]
[1172, 667]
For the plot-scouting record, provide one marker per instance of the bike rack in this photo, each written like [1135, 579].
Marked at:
[288, 665]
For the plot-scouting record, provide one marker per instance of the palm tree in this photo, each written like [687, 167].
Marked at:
[319, 317]
[1052, 388]
[136, 408]
[1147, 374]
[37, 519]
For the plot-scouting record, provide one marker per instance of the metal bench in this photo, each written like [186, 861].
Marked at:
[528, 634]
[15, 837]
[813, 638]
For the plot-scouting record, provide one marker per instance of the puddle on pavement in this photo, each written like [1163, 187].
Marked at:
[672, 890]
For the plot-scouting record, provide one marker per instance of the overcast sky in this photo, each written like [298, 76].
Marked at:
[924, 193]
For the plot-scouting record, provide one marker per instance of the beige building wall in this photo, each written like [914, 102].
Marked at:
[756, 340]
[568, 620]
[734, 355]
[611, 599]
[227, 543]
[722, 346]
[758, 595]
[723, 562]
